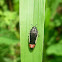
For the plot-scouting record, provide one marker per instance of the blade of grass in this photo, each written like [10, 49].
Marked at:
[31, 12]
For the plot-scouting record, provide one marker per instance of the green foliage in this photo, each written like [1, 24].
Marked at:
[55, 49]
[9, 31]
[53, 31]
[9, 19]
[16, 5]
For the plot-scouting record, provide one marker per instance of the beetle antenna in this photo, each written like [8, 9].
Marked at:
[32, 24]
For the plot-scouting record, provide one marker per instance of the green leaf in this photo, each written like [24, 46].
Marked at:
[31, 12]
[8, 41]
[55, 49]
[7, 37]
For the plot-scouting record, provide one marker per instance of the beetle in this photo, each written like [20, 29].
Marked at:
[33, 37]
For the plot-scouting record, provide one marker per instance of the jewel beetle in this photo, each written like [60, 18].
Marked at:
[33, 37]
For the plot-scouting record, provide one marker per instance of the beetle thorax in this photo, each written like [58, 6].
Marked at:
[34, 30]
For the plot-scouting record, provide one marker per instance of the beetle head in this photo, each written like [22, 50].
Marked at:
[34, 30]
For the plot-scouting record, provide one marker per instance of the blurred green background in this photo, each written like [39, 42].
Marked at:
[9, 31]
[53, 31]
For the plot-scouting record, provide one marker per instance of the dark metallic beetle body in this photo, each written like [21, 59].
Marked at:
[33, 36]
